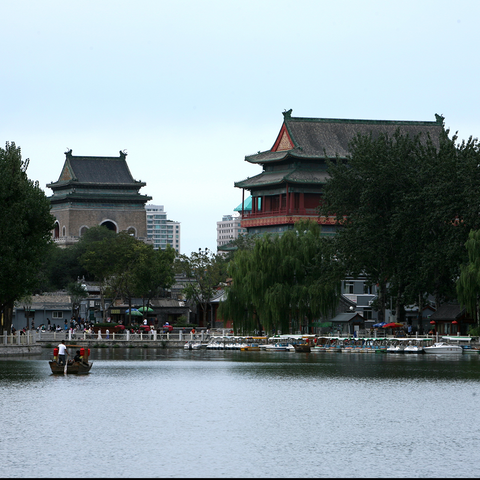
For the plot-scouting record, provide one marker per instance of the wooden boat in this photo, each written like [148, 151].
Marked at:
[302, 347]
[80, 367]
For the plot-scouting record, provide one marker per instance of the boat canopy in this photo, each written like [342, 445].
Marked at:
[458, 339]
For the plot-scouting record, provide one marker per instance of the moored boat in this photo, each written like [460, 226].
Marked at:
[395, 347]
[302, 347]
[464, 342]
[442, 347]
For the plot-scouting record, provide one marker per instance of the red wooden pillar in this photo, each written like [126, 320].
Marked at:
[243, 201]
[302, 203]
[268, 204]
[287, 199]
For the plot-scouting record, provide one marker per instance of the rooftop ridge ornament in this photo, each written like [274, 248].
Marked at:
[439, 119]
[287, 113]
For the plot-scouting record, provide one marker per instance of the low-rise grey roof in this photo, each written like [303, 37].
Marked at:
[346, 317]
[448, 312]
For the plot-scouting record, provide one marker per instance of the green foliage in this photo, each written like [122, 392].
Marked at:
[244, 241]
[405, 206]
[468, 283]
[153, 271]
[64, 265]
[205, 272]
[474, 331]
[25, 229]
[284, 281]
[127, 267]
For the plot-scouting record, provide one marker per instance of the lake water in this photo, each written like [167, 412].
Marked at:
[175, 413]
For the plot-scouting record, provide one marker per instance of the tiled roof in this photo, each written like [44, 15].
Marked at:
[292, 175]
[104, 170]
[448, 312]
[346, 317]
[320, 137]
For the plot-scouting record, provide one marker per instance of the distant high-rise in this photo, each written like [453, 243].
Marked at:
[229, 229]
[161, 231]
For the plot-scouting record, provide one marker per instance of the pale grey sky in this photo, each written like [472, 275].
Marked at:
[188, 88]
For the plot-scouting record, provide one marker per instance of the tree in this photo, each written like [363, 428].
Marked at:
[77, 292]
[468, 283]
[284, 281]
[127, 267]
[206, 270]
[25, 231]
[404, 205]
[101, 259]
[153, 272]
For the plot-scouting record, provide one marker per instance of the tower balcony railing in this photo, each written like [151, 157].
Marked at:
[280, 212]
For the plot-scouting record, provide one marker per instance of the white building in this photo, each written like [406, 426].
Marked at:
[229, 229]
[160, 230]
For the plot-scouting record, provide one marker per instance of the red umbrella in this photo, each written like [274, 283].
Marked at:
[393, 325]
[454, 322]
[432, 322]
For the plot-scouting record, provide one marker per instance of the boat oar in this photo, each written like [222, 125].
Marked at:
[66, 362]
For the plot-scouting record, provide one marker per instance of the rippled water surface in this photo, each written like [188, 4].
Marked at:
[175, 413]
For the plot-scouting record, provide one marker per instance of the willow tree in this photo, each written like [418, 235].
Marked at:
[284, 282]
[468, 283]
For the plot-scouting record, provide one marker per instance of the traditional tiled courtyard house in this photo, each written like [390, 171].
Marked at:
[294, 171]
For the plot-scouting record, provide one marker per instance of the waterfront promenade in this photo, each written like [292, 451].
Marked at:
[32, 341]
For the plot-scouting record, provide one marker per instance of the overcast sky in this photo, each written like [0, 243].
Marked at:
[189, 88]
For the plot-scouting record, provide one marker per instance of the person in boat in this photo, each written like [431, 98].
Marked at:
[77, 357]
[62, 352]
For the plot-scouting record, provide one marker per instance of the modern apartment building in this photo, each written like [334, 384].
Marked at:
[160, 230]
[229, 229]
